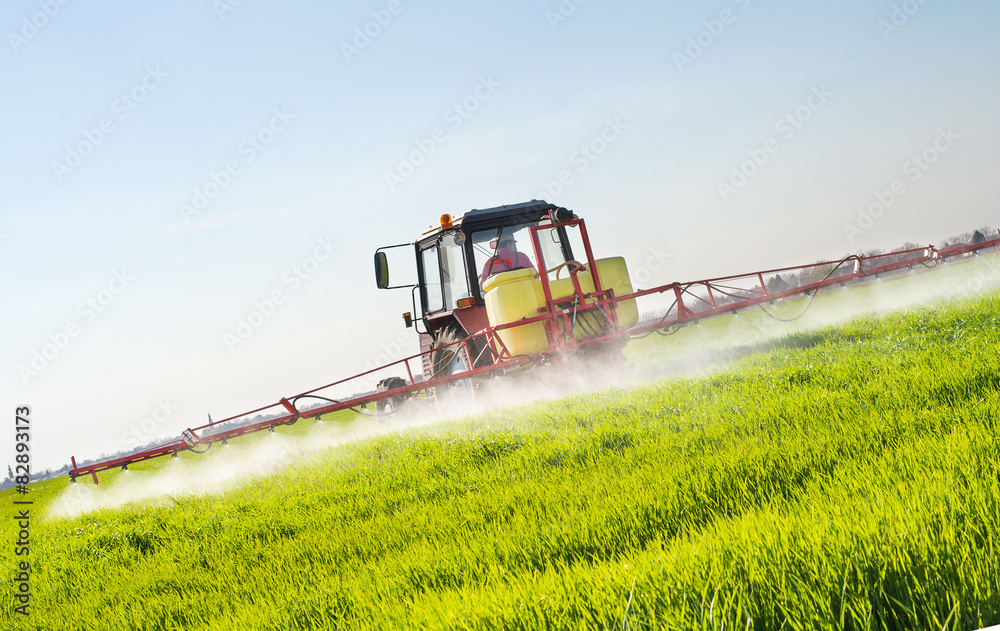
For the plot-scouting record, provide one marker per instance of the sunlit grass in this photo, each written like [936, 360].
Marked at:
[842, 478]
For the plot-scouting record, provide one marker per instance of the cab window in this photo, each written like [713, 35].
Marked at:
[432, 279]
[445, 278]
[554, 251]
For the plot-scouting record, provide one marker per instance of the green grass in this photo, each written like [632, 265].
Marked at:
[841, 478]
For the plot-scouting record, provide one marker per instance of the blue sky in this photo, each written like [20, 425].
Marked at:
[198, 83]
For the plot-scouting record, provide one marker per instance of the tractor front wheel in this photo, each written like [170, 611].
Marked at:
[451, 360]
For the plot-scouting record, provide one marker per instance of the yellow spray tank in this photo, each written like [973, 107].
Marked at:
[518, 294]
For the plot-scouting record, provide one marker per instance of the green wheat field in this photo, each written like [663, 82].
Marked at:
[840, 477]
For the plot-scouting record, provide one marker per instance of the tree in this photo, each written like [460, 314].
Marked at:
[776, 284]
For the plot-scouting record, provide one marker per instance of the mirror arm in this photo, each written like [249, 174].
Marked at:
[380, 255]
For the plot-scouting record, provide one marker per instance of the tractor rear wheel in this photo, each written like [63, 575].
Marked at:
[387, 409]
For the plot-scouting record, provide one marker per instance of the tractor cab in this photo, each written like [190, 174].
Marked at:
[458, 255]
[461, 261]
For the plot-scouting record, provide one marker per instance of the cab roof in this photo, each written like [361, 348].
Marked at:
[523, 212]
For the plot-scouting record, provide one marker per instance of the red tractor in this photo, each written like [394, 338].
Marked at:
[489, 268]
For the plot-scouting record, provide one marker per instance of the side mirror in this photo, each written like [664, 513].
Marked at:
[381, 270]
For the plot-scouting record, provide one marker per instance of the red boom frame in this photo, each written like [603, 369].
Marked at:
[557, 321]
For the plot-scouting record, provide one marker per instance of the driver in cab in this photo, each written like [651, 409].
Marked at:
[506, 258]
